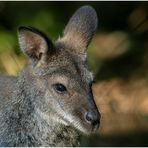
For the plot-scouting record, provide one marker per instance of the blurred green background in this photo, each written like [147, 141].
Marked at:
[117, 55]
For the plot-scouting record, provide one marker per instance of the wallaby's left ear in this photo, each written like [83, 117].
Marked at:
[34, 44]
[80, 29]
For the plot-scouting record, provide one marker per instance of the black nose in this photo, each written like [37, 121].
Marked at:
[93, 117]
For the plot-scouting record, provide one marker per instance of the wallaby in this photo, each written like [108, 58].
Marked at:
[51, 100]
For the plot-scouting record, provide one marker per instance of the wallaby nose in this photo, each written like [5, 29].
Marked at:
[93, 117]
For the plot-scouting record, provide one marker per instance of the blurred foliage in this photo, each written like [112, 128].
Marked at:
[118, 56]
[51, 17]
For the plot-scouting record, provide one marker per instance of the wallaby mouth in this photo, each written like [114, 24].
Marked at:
[87, 122]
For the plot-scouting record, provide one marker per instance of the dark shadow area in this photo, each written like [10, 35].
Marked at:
[129, 139]
[129, 64]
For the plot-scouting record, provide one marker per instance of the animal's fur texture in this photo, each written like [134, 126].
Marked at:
[32, 111]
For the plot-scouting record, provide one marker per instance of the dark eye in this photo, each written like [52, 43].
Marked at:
[60, 88]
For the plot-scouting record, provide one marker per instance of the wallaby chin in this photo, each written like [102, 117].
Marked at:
[87, 130]
[52, 97]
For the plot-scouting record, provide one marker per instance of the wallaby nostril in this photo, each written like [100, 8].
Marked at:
[93, 117]
[88, 117]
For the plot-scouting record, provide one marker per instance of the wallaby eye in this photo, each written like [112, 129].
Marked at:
[60, 88]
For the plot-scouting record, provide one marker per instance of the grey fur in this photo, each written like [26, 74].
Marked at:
[32, 113]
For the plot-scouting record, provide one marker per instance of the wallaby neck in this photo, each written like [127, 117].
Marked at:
[54, 134]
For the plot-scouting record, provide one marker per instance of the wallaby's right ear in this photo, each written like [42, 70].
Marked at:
[80, 29]
[34, 44]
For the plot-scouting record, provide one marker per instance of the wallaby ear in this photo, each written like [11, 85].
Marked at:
[80, 29]
[34, 43]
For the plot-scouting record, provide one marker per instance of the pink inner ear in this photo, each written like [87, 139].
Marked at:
[35, 45]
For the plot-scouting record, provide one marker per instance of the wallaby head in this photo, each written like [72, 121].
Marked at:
[58, 70]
